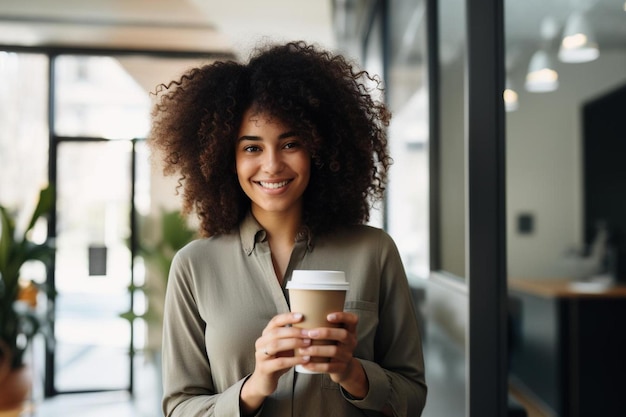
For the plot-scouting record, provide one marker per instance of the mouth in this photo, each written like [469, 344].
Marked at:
[273, 185]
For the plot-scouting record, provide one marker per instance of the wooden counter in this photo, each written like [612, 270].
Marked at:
[565, 288]
[567, 345]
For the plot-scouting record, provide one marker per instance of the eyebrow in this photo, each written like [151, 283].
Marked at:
[282, 136]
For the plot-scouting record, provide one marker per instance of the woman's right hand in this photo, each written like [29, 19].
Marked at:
[274, 356]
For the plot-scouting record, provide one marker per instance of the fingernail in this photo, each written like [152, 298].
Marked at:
[331, 317]
[306, 341]
[297, 316]
[306, 358]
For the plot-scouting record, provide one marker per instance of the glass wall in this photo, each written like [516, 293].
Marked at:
[93, 265]
[24, 153]
[566, 202]
[451, 60]
[407, 95]
[96, 97]
[547, 220]
[99, 110]
[24, 132]
[103, 176]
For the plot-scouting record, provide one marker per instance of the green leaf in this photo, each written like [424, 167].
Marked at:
[14, 252]
[176, 233]
[7, 226]
[44, 206]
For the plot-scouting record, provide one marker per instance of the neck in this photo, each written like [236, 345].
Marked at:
[280, 227]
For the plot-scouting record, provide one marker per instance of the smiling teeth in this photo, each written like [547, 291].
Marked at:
[273, 185]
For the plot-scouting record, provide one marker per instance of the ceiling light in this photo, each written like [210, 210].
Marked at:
[511, 102]
[541, 76]
[578, 44]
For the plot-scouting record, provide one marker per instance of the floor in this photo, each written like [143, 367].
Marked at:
[533, 406]
[145, 401]
[445, 375]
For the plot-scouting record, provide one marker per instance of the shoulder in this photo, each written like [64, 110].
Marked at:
[362, 233]
[207, 248]
[358, 238]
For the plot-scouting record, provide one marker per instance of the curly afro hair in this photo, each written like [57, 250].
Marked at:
[320, 95]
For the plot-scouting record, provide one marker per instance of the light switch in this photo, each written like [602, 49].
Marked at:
[525, 223]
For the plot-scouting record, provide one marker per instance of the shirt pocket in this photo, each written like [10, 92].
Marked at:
[366, 327]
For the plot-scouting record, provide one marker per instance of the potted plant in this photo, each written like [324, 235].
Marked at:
[160, 238]
[19, 320]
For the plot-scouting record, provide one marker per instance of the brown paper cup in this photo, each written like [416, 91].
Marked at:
[316, 294]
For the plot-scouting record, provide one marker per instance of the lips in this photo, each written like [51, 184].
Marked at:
[273, 185]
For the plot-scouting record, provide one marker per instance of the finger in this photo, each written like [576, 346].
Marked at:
[337, 334]
[270, 334]
[336, 353]
[326, 367]
[281, 339]
[279, 364]
[281, 347]
[281, 320]
[349, 320]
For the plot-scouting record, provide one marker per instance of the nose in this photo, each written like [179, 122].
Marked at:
[273, 161]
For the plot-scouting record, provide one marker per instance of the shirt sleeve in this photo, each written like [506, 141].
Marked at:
[396, 375]
[188, 389]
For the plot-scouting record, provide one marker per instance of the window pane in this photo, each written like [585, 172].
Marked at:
[24, 127]
[408, 190]
[93, 265]
[97, 97]
[451, 60]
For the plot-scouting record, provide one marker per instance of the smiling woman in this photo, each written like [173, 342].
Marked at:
[281, 158]
[273, 167]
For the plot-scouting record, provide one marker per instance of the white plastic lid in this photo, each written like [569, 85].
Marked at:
[318, 280]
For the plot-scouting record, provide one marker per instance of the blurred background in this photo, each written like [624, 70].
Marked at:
[75, 109]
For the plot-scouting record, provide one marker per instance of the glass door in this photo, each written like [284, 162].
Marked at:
[93, 266]
[99, 108]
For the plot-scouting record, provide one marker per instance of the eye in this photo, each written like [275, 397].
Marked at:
[251, 148]
[292, 145]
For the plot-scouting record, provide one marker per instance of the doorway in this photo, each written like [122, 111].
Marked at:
[98, 110]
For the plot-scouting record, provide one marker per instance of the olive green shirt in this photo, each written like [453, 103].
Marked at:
[222, 292]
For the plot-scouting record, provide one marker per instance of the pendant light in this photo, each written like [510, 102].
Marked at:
[511, 99]
[542, 76]
[578, 44]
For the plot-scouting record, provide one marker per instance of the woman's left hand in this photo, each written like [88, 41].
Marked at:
[342, 367]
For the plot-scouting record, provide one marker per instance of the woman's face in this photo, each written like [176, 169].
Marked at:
[273, 166]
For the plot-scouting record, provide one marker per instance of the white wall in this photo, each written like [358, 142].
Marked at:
[544, 164]
[452, 167]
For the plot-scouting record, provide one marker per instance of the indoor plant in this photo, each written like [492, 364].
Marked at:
[161, 236]
[19, 320]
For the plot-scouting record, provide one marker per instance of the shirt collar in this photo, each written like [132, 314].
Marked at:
[251, 232]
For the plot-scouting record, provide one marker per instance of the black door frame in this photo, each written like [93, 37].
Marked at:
[486, 210]
[485, 283]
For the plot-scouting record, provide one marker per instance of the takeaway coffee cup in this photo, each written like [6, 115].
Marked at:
[315, 294]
